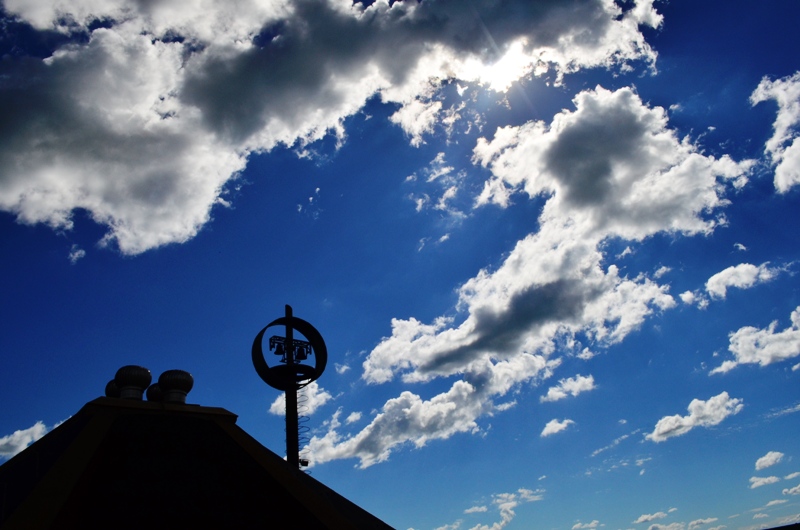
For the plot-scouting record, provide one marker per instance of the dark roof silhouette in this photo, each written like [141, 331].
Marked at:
[121, 463]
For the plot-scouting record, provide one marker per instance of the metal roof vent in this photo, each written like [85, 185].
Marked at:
[131, 382]
[174, 385]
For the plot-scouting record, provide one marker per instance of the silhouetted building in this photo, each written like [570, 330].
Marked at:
[121, 462]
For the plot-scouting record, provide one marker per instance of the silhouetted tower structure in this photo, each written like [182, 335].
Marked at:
[292, 374]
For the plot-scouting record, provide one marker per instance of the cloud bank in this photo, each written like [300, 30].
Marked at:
[144, 122]
[511, 322]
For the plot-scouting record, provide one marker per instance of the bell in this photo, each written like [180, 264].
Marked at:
[279, 351]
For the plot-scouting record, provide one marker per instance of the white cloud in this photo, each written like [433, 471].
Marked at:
[417, 118]
[341, 368]
[687, 297]
[783, 148]
[613, 165]
[569, 387]
[309, 399]
[646, 518]
[506, 502]
[76, 253]
[353, 417]
[145, 125]
[776, 502]
[578, 526]
[742, 276]
[406, 418]
[476, 509]
[697, 523]
[751, 345]
[554, 283]
[615, 442]
[555, 426]
[790, 476]
[782, 412]
[769, 459]
[792, 491]
[661, 271]
[17, 441]
[760, 516]
[757, 482]
[671, 526]
[701, 414]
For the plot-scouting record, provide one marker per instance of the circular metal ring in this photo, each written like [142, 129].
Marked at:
[280, 376]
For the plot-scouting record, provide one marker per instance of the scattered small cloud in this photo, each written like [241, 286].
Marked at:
[315, 397]
[646, 518]
[353, 417]
[76, 253]
[743, 276]
[782, 412]
[554, 426]
[671, 526]
[751, 345]
[694, 298]
[616, 441]
[341, 368]
[476, 509]
[757, 482]
[783, 148]
[507, 502]
[17, 441]
[581, 526]
[569, 387]
[697, 523]
[769, 459]
[661, 271]
[792, 491]
[701, 414]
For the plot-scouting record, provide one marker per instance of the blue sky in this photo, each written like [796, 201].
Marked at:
[551, 246]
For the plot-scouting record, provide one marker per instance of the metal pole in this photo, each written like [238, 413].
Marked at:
[292, 422]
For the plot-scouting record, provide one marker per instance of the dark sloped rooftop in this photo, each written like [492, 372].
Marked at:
[121, 463]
